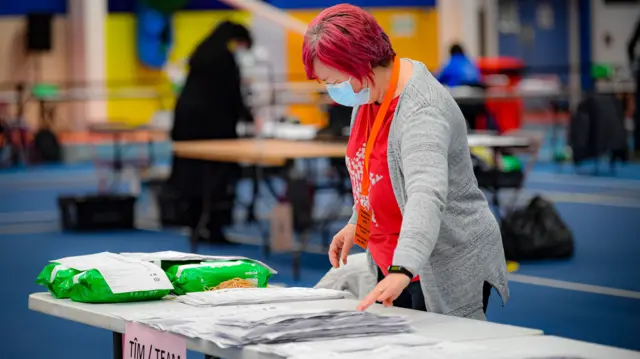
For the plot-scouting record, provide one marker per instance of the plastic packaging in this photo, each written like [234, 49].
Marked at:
[214, 275]
[91, 287]
[53, 276]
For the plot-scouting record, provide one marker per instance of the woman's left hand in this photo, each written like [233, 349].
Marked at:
[387, 290]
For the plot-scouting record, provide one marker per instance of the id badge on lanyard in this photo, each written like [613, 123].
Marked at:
[363, 226]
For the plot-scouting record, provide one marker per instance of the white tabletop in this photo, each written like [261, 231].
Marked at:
[496, 141]
[110, 317]
[550, 346]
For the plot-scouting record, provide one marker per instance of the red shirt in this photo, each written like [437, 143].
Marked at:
[386, 216]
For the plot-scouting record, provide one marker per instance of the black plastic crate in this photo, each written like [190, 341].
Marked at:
[487, 179]
[97, 212]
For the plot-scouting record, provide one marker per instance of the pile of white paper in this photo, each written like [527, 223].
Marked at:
[122, 274]
[175, 256]
[246, 296]
[239, 326]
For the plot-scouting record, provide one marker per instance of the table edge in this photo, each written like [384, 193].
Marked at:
[38, 303]
[116, 324]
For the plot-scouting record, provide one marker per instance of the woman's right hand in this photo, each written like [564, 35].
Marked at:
[341, 245]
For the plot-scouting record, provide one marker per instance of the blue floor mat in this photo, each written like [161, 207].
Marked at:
[623, 171]
[589, 317]
[606, 255]
[606, 252]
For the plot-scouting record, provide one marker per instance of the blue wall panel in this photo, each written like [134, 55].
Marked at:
[22, 7]
[129, 5]
[585, 44]
[319, 4]
[548, 52]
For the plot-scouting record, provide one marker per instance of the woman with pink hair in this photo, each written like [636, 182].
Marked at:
[432, 240]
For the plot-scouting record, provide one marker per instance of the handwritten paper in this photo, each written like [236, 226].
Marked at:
[142, 342]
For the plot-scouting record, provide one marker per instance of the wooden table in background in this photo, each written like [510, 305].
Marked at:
[256, 152]
[271, 152]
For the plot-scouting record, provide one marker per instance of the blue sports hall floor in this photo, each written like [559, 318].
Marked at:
[594, 297]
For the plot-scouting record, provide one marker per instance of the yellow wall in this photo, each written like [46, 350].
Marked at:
[422, 45]
[124, 70]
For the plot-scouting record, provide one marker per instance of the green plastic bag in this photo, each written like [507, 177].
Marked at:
[91, 287]
[205, 276]
[165, 265]
[53, 276]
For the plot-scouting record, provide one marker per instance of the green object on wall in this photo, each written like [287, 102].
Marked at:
[42, 91]
[602, 71]
[165, 6]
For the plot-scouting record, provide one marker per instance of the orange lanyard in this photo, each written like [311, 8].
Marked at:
[377, 123]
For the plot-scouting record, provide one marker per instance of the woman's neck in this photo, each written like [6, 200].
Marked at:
[382, 77]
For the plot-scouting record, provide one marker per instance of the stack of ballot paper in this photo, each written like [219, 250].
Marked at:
[258, 324]
[246, 296]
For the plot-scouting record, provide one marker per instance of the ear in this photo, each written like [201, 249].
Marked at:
[364, 83]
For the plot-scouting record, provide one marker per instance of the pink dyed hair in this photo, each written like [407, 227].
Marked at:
[348, 39]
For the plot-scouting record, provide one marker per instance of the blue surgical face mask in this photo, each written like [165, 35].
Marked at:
[343, 94]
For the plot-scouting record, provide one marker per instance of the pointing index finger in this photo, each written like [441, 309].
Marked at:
[368, 300]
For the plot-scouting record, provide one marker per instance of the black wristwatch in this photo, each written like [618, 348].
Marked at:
[401, 270]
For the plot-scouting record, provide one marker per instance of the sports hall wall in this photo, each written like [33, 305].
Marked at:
[411, 24]
[15, 65]
[122, 66]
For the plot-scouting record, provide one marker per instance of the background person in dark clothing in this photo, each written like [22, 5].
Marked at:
[634, 60]
[210, 107]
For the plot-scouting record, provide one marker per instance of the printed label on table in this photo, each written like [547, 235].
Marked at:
[142, 342]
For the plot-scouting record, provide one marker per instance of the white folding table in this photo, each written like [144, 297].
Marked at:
[555, 347]
[111, 317]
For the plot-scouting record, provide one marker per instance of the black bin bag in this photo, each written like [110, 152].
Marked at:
[536, 232]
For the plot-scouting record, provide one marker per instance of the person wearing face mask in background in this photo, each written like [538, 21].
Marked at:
[432, 241]
[210, 106]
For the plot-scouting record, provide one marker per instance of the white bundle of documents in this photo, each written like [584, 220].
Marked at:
[246, 296]
[443, 350]
[175, 256]
[122, 274]
[241, 326]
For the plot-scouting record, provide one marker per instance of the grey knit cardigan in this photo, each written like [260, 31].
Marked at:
[449, 236]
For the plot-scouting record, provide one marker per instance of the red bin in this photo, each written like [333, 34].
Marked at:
[507, 111]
